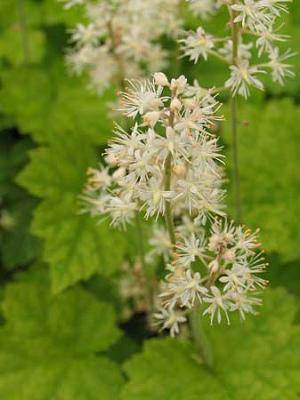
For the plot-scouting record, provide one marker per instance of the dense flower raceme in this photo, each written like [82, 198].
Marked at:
[170, 159]
[257, 23]
[121, 38]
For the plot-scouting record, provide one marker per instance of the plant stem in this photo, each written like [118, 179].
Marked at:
[201, 342]
[168, 213]
[23, 30]
[234, 123]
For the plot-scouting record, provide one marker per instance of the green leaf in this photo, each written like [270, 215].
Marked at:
[270, 177]
[285, 275]
[18, 247]
[13, 49]
[59, 168]
[49, 345]
[56, 104]
[258, 359]
[76, 246]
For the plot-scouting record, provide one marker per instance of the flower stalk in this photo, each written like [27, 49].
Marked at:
[168, 164]
[168, 213]
[234, 122]
[200, 339]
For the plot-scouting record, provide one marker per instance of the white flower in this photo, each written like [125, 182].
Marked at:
[170, 319]
[242, 76]
[154, 198]
[183, 288]
[160, 242]
[243, 303]
[218, 304]
[203, 8]
[275, 6]
[252, 14]
[141, 97]
[189, 288]
[85, 35]
[222, 235]
[197, 44]
[161, 79]
[280, 69]
[175, 164]
[265, 40]
[244, 50]
[178, 85]
[190, 249]
[128, 33]
[122, 209]
[98, 178]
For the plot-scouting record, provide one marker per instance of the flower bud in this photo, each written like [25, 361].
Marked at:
[119, 173]
[214, 266]
[178, 85]
[229, 255]
[179, 169]
[111, 159]
[161, 79]
[175, 104]
[189, 103]
[151, 118]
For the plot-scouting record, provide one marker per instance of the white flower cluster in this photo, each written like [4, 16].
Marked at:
[226, 280]
[120, 38]
[169, 165]
[167, 157]
[256, 23]
[203, 8]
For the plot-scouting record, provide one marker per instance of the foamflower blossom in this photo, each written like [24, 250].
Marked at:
[121, 39]
[167, 164]
[203, 8]
[197, 44]
[170, 319]
[170, 128]
[229, 266]
[256, 25]
[242, 77]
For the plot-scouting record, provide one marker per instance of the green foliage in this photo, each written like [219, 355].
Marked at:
[270, 178]
[49, 345]
[285, 275]
[48, 103]
[16, 206]
[11, 45]
[75, 245]
[18, 245]
[68, 346]
[258, 359]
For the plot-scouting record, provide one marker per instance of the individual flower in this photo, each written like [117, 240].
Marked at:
[218, 304]
[141, 98]
[197, 44]
[170, 319]
[242, 76]
[190, 249]
[280, 69]
[203, 8]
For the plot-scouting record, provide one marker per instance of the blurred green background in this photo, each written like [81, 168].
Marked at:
[58, 268]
